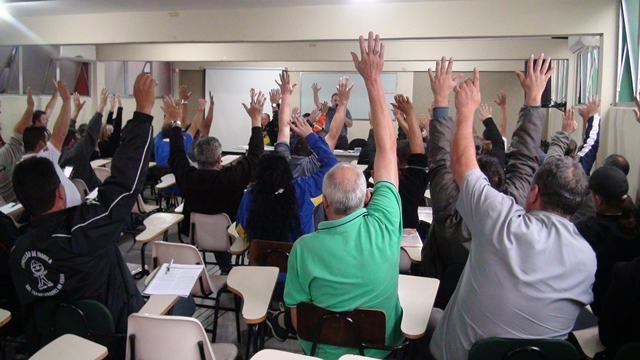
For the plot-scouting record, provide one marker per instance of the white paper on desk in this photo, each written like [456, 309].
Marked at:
[179, 280]
[8, 207]
[411, 239]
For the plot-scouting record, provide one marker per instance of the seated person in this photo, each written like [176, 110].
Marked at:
[342, 142]
[210, 189]
[619, 319]
[72, 253]
[12, 152]
[492, 134]
[259, 212]
[78, 154]
[613, 232]
[8, 297]
[529, 272]
[349, 273]
[36, 145]
[161, 141]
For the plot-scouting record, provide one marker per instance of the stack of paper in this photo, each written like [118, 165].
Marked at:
[178, 280]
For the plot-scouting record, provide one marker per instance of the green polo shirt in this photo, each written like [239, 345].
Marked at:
[349, 263]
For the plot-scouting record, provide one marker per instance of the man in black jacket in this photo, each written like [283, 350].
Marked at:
[71, 253]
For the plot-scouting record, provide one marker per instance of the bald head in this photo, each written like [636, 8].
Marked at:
[344, 189]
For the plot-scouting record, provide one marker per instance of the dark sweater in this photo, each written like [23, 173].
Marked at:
[213, 191]
[413, 184]
[79, 155]
[108, 148]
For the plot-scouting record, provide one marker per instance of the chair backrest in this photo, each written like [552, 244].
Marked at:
[88, 319]
[139, 206]
[83, 190]
[629, 351]
[357, 142]
[102, 173]
[270, 253]
[522, 349]
[360, 328]
[209, 232]
[166, 337]
[163, 252]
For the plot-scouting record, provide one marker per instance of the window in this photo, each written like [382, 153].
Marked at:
[9, 70]
[628, 57]
[121, 75]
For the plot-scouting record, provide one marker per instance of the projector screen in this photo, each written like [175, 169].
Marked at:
[230, 88]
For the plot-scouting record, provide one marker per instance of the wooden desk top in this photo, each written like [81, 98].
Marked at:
[354, 357]
[229, 159]
[11, 209]
[255, 285]
[157, 224]
[159, 304]
[166, 181]
[5, 317]
[71, 347]
[271, 354]
[417, 295]
[100, 162]
[415, 253]
[589, 341]
[179, 209]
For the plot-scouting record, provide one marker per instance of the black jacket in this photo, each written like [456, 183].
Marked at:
[108, 148]
[72, 254]
[79, 155]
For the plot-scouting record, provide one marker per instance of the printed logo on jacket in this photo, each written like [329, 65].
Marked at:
[42, 283]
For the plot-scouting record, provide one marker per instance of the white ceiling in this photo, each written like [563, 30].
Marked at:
[25, 8]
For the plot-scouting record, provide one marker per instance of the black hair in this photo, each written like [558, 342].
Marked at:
[273, 213]
[571, 148]
[403, 150]
[71, 136]
[562, 185]
[618, 161]
[35, 182]
[301, 148]
[36, 116]
[32, 136]
[493, 170]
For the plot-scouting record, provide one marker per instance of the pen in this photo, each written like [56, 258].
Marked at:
[169, 267]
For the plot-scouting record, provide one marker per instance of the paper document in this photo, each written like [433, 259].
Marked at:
[410, 238]
[179, 280]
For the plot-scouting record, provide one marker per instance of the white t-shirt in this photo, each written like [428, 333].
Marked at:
[51, 153]
[527, 276]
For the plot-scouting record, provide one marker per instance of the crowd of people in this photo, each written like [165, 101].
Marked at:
[522, 240]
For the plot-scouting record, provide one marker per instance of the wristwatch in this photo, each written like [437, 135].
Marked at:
[182, 102]
[177, 123]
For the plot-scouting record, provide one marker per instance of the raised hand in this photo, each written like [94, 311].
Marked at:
[171, 110]
[62, 89]
[501, 99]
[295, 111]
[485, 111]
[30, 103]
[430, 110]
[442, 83]
[119, 100]
[300, 126]
[255, 107]
[468, 94]
[424, 122]
[591, 108]
[184, 93]
[402, 104]
[315, 88]
[112, 103]
[275, 96]
[325, 107]
[569, 124]
[202, 103]
[144, 93]
[211, 102]
[286, 88]
[344, 90]
[77, 104]
[371, 60]
[104, 95]
[314, 116]
[535, 81]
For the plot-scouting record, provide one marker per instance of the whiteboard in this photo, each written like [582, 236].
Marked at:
[230, 88]
[359, 99]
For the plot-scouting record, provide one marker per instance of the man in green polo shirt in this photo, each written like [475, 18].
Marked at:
[352, 260]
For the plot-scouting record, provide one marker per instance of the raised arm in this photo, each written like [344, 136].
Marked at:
[591, 135]
[560, 140]
[404, 105]
[184, 104]
[463, 152]
[77, 107]
[197, 119]
[54, 99]
[344, 92]
[370, 65]
[25, 120]
[286, 89]
[316, 95]
[61, 126]
[502, 102]
[492, 133]
[208, 120]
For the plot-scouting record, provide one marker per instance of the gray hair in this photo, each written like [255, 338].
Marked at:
[345, 189]
[207, 151]
[562, 185]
